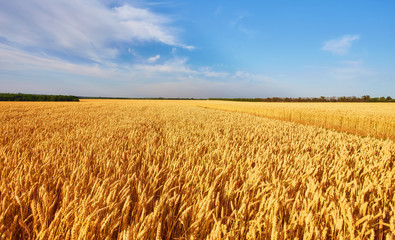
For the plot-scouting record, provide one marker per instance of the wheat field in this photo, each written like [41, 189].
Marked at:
[139, 169]
[364, 119]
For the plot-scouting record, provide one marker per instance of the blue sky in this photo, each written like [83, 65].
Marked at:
[198, 48]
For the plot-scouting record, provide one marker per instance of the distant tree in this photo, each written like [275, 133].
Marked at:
[35, 97]
[366, 98]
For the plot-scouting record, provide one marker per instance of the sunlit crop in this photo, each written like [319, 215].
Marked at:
[364, 119]
[139, 169]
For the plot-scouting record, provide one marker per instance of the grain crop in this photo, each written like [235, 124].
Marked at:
[364, 119]
[139, 169]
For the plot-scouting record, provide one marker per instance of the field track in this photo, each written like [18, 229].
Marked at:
[363, 119]
[139, 169]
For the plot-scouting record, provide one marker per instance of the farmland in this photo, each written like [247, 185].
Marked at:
[364, 119]
[140, 169]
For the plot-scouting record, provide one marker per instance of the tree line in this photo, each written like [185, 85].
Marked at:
[365, 98]
[37, 97]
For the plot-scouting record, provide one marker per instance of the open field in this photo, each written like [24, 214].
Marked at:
[113, 169]
[364, 119]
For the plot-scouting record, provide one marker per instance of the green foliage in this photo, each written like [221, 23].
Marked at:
[36, 97]
[365, 98]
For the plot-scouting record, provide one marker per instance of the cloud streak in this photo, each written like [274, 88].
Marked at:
[340, 46]
[171, 78]
[153, 59]
[85, 30]
[351, 71]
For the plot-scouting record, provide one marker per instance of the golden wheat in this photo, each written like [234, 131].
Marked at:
[364, 119]
[171, 170]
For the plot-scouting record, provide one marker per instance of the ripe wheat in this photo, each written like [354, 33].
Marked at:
[364, 119]
[172, 170]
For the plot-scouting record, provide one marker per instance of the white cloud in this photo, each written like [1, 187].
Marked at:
[21, 71]
[218, 11]
[351, 70]
[172, 66]
[81, 29]
[208, 72]
[13, 59]
[174, 52]
[202, 88]
[133, 52]
[341, 45]
[239, 25]
[153, 59]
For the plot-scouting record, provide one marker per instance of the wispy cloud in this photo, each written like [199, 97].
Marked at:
[239, 24]
[87, 30]
[218, 10]
[340, 46]
[80, 47]
[171, 78]
[350, 71]
[153, 59]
